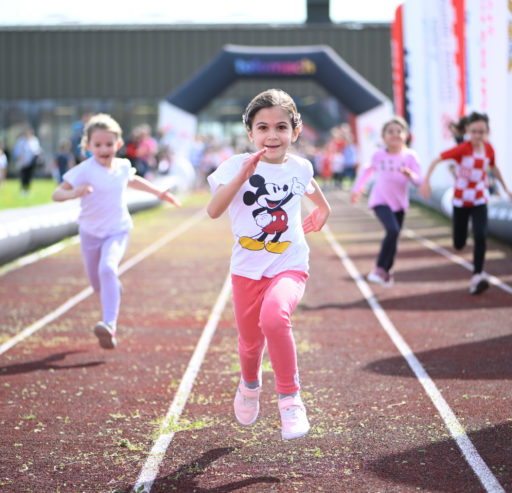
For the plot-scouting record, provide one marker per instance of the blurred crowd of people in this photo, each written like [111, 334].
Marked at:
[334, 158]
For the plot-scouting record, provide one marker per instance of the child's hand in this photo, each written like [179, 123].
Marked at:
[424, 190]
[407, 172]
[315, 221]
[355, 196]
[250, 163]
[167, 196]
[82, 190]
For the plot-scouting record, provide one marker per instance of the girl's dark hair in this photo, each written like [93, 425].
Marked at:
[477, 117]
[460, 125]
[269, 99]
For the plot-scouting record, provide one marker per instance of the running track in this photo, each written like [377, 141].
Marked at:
[407, 388]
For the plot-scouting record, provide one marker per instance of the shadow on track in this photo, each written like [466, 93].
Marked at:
[489, 360]
[185, 478]
[439, 466]
[454, 300]
[46, 364]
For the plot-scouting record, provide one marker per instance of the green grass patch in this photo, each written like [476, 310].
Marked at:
[40, 193]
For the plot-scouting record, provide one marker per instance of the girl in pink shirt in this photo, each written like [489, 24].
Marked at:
[394, 168]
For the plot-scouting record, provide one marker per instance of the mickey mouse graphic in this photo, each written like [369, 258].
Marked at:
[270, 216]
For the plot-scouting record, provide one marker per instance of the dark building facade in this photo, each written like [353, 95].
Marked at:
[51, 75]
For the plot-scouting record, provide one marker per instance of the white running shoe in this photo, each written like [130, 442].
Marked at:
[106, 335]
[478, 284]
[380, 276]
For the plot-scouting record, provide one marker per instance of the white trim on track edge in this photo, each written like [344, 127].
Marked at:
[82, 295]
[36, 256]
[475, 461]
[157, 453]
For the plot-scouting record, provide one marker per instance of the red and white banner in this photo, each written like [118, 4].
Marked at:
[488, 84]
[435, 75]
[397, 62]
[458, 59]
[506, 167]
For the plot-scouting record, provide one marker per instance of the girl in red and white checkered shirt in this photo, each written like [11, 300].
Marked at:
[471, 191]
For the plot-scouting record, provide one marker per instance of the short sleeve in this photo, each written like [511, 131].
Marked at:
[490, 153]
[225, 172]
[131, 173]
[74, 175]
[455, 153]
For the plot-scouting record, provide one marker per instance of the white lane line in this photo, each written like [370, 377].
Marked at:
[454, 258]
[480, 468]
[82, 295]
[440, 250]
[165, 436]
[34, 257]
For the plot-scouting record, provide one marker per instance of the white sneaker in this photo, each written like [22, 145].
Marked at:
[380, 276]
[478, 284]
[106, 335]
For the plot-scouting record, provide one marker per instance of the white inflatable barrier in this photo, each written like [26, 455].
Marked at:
[499, 211]
[25, 230]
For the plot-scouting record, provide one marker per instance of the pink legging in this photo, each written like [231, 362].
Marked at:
[102, 257]
[262, 311]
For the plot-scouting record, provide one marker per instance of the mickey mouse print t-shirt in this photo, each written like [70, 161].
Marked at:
[266, 216]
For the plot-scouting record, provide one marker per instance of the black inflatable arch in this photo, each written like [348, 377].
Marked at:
[320, 63]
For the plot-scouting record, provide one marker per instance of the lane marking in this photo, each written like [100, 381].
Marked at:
[82, 295]
[150, 469]
[475, 461]
[438, 249]
[454, 258]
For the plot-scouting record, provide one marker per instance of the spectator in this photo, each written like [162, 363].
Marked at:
[77, 131]
[64, 159]
[27, 152]
[3, 164]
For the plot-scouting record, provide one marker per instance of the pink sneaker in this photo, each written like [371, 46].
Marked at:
[247, 404]
[294, 421]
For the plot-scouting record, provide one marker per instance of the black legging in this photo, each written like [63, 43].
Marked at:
[26, 176]
[392, 222]
[478, 214]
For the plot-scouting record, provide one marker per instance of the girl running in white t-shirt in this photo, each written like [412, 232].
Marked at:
[471, 193]
[105, 222]
[269, 264]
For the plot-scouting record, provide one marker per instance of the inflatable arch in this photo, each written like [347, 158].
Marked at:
[320, 63]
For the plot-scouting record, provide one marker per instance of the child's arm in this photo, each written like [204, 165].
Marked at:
[497, 173]
[424, 190]
[65, 191]
[361, 180]
[316, 220]
[225, 193]
[139, 183]
[413, 173]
